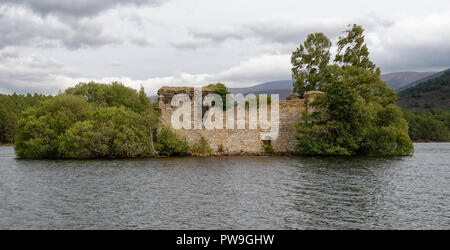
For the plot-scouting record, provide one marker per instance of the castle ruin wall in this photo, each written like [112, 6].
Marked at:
[238, 141]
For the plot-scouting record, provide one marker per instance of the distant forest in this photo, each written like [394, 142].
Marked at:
[11, 108]
[428, 125]
[433, 93]
[428, 86]
[426, 107]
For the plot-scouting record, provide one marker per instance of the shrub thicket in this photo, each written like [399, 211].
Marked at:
[170, 144]
[89, 121]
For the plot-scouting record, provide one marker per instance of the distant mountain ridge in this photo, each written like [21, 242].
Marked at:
[285, 87]
[395, 81]
[273, 85]
[430, 92]
[421, 80]
[398, 80]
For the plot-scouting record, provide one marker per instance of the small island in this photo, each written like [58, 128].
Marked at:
[341, 107]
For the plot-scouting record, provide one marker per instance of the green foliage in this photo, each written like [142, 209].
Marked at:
[11, 107]
[352, 50]
[308, 62]
[105, 121]
[361, 116]
[170, 144]
[40, 128]
[112, 95]
[202, 147]
[84, 141]
[222, 90]
[433, 125]
[114, 132]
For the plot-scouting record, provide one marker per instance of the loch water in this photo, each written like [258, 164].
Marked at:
[228, 192]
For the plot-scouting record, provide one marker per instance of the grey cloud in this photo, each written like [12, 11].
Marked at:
[202, 39]
[274, 31]
[192, 44]
[420, 58]
[395, 44]
[221, 35]
[88, 33]
[78, 8]
[22, 28]
[141, 42]
[115, 63]
[32, 75]
[279, 32]
[290, 32]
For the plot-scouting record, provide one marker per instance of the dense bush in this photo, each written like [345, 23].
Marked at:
[170, 144]
[361, 116]
[90, 121]
[114, 132]
[40, 128]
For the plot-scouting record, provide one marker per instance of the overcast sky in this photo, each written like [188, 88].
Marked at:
[49, 45]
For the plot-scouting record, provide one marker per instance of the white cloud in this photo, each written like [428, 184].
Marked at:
[254, 70]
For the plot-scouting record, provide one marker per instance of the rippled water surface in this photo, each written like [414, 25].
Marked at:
[228, 192]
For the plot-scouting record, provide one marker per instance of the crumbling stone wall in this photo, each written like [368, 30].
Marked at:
[239, 141]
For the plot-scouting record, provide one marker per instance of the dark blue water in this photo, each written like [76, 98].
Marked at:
[228, 192]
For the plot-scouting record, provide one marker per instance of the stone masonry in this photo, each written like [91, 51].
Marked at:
[239, 141]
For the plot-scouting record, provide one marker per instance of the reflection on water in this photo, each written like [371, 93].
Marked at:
[228, 192]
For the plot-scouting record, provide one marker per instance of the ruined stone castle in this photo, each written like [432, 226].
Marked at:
[240, 141]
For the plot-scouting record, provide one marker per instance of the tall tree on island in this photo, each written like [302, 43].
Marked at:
[309, 61]
[353, 51]
[360, 113]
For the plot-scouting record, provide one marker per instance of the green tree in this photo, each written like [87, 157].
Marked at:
[431, 125]
[308, 62]
[112, 95]
[90, 121]
[357, 113]
[11, 108]
[222, 90]
[40, 128]
[352, 50]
